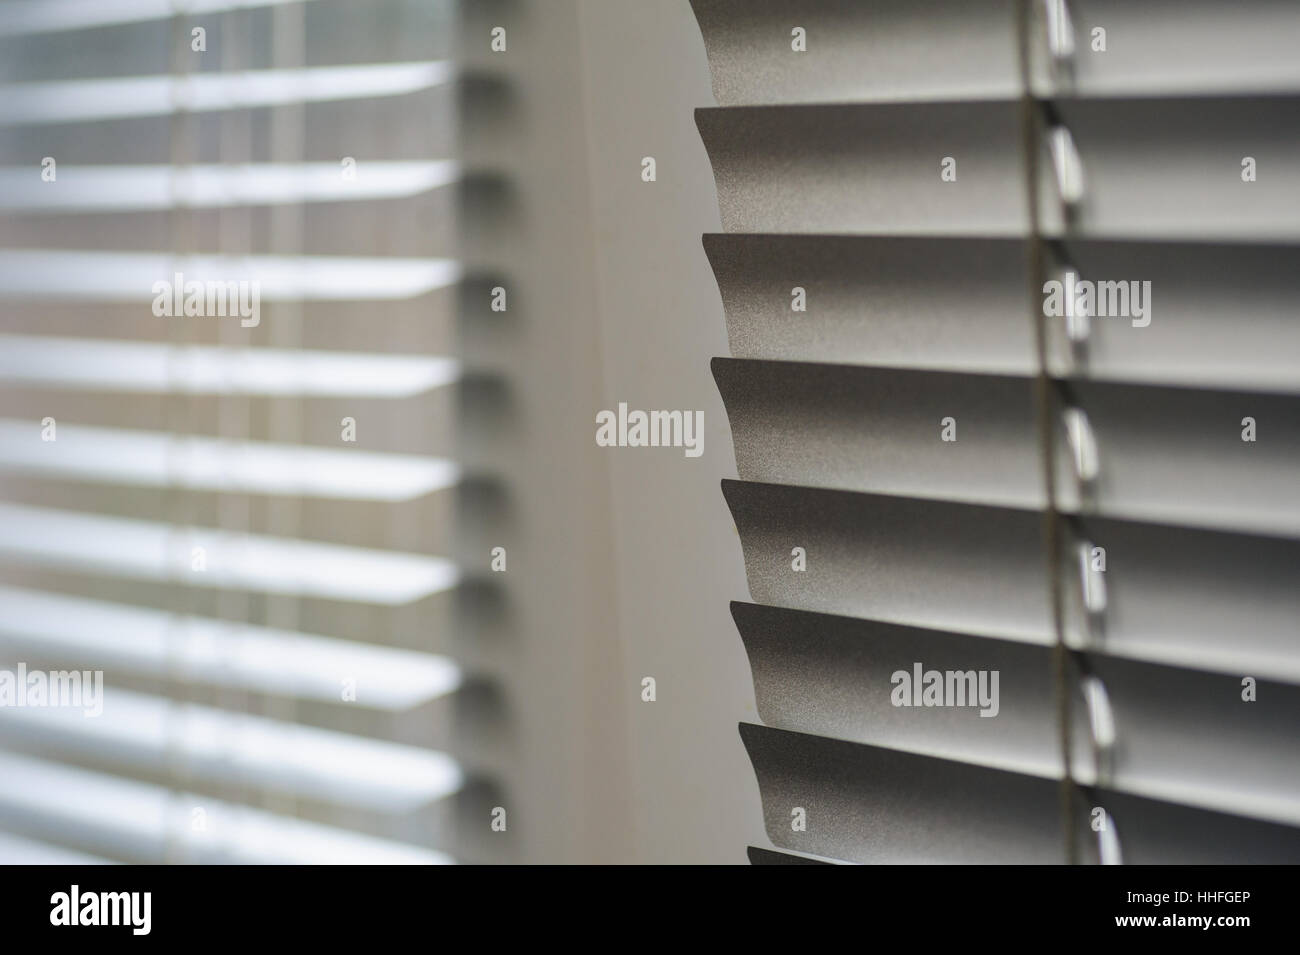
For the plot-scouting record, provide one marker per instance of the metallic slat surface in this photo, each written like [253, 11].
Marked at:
[871, 805]
[923, 50]
[1222, 316]
[1172, 593]
[968, 568]
[939, 304]
[839, 677]
[883, 431]
[866, 804]
[854, 51]
[974, 439]
[871, 544]
[759, 856]
[1153, 169]
[867, 169]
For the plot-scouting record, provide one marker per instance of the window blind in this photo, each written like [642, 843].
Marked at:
[241, 520]
[937, 472]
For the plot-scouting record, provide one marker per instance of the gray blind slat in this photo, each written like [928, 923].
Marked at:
[924, 50]
[1222, 316]
[1172, 593]
[974, 438]
[879, 51]
[866, 804]
[759, 856]
[1152, 169]
[898, 560]
[834, 676]
[1172, 169]
[1174, 48]
[867, 169]
[935, 303]
[877, 430]
[872, 805]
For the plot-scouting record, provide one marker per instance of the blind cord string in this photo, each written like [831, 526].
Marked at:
[1031, 126]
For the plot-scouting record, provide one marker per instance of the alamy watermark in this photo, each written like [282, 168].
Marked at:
[651, 429]
[922, 687]
[131, 909]
[1082, 297]
[78, 689]
[210, 299]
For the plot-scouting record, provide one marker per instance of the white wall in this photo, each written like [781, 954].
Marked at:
[694, 798]
[622, 560]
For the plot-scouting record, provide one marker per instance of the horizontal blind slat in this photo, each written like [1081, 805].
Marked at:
[147, 367]
[145, 823]
[872, 805]
[156, 459]
[887, 50]
[128, 97]
[221, 653]
[838, 677]
[1222, 316]
[905, 50]
[135, 733]
[107, 189]
[99, 276]
[1172, 593]
[211, 557]
[867, 169]
[975, 439]
[1152, 169]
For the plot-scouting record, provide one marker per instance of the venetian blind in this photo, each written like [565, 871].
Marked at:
[241, 519]
[1101, 507]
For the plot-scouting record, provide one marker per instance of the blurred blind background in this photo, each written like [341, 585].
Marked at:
[244, 524]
